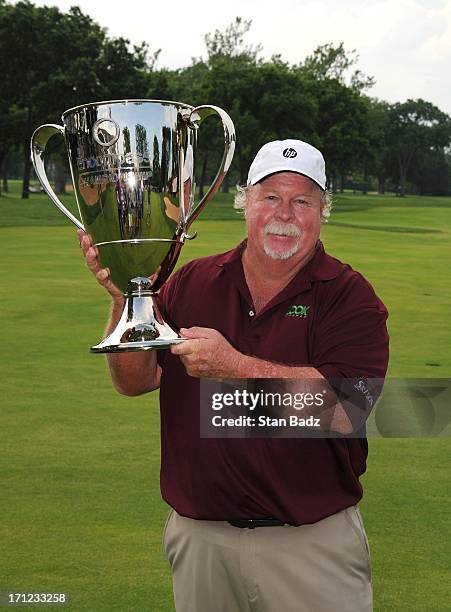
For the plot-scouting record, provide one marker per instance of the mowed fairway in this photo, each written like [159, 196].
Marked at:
[80, 505]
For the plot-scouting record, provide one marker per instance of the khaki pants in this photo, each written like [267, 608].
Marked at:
[324, 567]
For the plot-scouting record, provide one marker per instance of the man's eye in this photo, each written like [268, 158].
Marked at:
[271, 198]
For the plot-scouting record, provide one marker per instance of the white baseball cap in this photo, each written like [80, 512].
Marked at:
[288, 155]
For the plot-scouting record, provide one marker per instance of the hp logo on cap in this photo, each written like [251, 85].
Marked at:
[290, 153]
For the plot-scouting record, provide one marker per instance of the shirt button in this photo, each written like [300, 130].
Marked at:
[251, 313]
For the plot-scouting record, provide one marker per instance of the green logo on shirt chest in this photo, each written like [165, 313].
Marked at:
[297, 310]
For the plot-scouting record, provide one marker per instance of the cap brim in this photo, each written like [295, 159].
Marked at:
[262, 175]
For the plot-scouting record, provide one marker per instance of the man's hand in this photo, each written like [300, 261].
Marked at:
[207, 354]
[132, 373]
[102, 275]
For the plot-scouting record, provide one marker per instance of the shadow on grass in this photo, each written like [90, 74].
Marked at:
[387, 228]
[345, 204]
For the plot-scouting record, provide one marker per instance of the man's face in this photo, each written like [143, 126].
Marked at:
[283, 216]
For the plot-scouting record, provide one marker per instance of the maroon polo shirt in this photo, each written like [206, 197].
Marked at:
[343, 335]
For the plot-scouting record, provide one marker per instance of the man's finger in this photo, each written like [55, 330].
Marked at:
[197, 332]
[183, 348]
[80, 234]
[102, 275]
[91, 260]
[86, 243]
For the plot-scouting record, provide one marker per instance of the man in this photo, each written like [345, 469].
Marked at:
[263, 524]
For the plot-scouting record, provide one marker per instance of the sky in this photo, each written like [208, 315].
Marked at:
[404, 44]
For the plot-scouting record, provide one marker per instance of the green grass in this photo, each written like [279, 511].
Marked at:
[81, 508]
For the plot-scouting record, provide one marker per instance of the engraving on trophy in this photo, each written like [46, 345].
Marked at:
[105, 132]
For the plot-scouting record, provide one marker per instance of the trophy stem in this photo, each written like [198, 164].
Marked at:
[141, 326]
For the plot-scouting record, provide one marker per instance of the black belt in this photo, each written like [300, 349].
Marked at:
[252, 523]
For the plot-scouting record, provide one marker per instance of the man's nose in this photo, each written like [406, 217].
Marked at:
[285, 210]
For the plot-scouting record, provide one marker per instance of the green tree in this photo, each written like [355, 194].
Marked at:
[377, 159]
[36, 46]
[334, 62]
[225, 78]
[51, 61]
[231, 79]
[339, 129]
[280, 98]
[266, 99]
[122, 69]
[415, 127]
[231, 42]
[430, 172]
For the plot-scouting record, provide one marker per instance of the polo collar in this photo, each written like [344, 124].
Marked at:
[321, 267]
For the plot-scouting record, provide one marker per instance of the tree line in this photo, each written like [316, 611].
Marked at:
[51, 61]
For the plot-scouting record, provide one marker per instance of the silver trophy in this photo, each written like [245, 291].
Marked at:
[132, 165]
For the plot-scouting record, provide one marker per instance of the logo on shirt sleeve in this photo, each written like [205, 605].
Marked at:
[297, 310]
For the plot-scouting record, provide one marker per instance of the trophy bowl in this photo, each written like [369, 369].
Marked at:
[132, 165]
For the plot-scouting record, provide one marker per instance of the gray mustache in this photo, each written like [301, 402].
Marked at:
[282, 229]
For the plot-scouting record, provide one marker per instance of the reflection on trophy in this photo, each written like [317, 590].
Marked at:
[132, 164]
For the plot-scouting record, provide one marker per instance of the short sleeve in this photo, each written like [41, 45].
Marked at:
[351, 346]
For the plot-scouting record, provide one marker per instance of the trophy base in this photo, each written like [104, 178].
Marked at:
[129, 347]
[140, 328]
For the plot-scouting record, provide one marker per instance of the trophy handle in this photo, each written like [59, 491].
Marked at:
[195, 118]
[39, 141]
